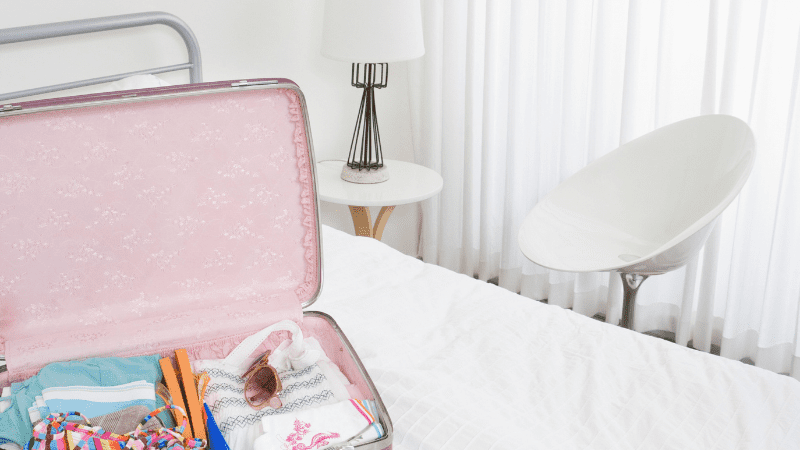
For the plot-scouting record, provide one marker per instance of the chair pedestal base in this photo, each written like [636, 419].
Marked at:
[630, 286]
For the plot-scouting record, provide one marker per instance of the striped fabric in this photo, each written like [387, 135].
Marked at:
[100, 400]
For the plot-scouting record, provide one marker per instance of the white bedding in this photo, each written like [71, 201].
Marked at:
[462, 364]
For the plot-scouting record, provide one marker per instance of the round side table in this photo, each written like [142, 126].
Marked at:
[407, 183]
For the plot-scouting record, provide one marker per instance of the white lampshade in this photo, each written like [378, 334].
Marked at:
[372, 31]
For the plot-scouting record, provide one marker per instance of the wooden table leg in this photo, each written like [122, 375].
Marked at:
[380, 222]
[362, 221]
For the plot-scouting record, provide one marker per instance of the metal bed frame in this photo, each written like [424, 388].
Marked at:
[59, 29]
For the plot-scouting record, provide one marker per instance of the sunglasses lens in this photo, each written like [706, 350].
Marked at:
[275, 402]
[261, 385]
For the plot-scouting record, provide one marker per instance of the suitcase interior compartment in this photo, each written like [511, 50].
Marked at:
[338, 348]
[313, 324]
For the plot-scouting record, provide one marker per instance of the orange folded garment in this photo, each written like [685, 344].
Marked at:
[195, 410]
[174, 387]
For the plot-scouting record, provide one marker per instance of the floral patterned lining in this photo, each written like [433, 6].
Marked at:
[102, 254]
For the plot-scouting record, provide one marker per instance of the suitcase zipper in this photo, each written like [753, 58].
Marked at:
[5, 108]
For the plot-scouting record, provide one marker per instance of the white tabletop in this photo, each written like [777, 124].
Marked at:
[407, 183]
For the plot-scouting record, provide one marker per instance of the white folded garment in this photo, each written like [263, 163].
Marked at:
[308, 378]
[349, 420]
[38, 410]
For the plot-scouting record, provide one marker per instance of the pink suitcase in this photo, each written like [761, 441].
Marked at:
[139, 222]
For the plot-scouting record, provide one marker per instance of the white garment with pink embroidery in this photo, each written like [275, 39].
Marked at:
[317, 428]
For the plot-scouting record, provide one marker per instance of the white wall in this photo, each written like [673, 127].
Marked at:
[238, 40]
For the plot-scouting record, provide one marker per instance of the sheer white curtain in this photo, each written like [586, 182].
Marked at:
[512, 97]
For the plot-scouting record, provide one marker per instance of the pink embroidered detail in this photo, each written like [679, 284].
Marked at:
[319, 440]
[300, 430]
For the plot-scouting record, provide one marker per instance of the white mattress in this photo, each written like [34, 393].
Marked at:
[462, 364]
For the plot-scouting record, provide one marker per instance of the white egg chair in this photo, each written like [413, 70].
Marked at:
[645, 208]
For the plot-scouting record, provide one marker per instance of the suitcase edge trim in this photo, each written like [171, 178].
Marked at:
[383, 413]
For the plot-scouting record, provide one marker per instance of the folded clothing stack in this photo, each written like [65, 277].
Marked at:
[15, 422]
[350, 421]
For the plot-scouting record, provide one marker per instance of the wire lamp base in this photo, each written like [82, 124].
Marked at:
[365, 160]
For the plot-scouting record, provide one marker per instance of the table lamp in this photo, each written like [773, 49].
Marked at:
[373, 33]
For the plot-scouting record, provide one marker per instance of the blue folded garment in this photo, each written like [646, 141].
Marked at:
[215, 439]
[15, 424]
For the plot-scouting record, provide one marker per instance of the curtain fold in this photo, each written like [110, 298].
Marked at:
[514, 96]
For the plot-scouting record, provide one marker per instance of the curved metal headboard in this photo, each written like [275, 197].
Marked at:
[59, 29]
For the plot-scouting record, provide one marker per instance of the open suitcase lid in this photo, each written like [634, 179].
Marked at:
[139, 221]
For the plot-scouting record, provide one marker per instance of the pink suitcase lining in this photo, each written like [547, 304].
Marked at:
[143, 221]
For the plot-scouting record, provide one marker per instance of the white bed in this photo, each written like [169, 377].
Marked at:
[462, 364]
